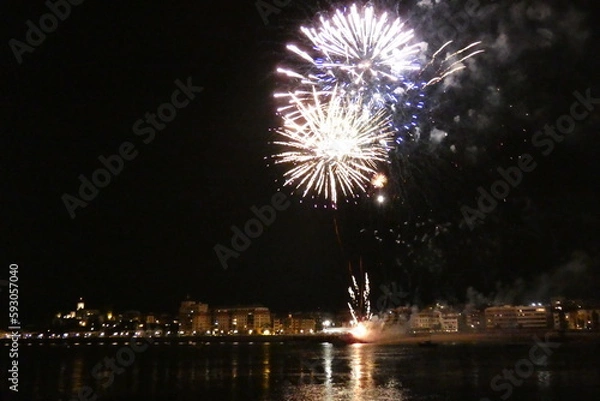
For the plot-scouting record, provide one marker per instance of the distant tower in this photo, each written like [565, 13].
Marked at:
[80, 304]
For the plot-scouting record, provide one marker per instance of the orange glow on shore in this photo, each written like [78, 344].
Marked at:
[359, 332]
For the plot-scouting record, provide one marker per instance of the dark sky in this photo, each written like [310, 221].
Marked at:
[146, 240]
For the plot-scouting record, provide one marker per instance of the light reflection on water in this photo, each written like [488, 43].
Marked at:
[361, 384]
[308, 372]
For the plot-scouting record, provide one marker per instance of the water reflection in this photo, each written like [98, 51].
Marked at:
[362, 363]
[77, 374]
[266, 367]
[307, 372]
[348, 374]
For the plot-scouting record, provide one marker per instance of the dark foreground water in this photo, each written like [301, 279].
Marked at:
[277, 372]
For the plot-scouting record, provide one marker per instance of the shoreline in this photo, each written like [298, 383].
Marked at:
[496, 337]
[492, 337]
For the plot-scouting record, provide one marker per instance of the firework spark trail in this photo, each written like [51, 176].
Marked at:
[366, 294]
[360, 304]
[455, 66]
[354, 318]
[352, 291]
[333, 144]
[337, 235]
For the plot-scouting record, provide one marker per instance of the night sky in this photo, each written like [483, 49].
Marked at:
[146, 240]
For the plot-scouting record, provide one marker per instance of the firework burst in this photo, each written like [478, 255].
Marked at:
[373, 55]
[333, 144]
[358, 46]
[360, 51]
[376, 75]
[379, 180]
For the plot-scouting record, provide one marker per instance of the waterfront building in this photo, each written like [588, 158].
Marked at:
[501, 317]
[535, 316]
[221, 321]
[425, 320]
[299, 324]
[474, 320]
[449, 322]
[532, 317]
[187, 311]
[242, 320]
[262, 319]
[575, 314]
[201, 323]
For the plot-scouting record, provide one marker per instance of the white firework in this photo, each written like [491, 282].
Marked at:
[360, 304]
[367, 53]
[360, 43]
[333, 144]
[374, 73]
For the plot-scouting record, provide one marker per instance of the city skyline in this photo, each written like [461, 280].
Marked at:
[386, 301]
[198, 319]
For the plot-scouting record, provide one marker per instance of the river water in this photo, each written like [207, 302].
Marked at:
[308, 372]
